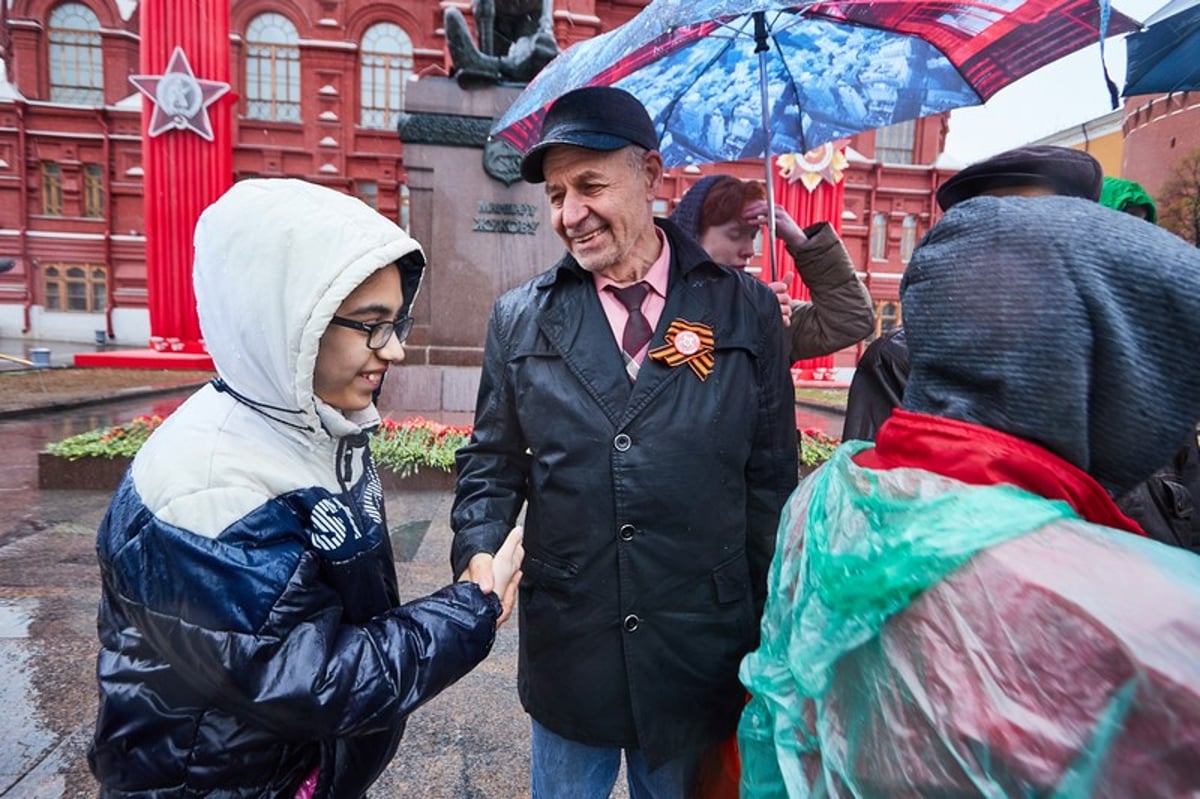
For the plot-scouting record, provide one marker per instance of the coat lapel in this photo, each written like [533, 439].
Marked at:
[578, 330]
[573, 321]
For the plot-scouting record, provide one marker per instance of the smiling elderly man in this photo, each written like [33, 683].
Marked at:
[637, 397]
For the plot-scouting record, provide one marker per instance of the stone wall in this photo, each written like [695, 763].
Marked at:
[482, 235]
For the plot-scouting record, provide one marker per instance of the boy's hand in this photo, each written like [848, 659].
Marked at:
[479, 571]
[501, 572]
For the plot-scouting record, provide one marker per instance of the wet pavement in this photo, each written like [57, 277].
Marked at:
[472, 741]
[19, 352]
[49, 586]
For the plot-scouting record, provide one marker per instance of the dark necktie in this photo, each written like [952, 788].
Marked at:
[637, 328]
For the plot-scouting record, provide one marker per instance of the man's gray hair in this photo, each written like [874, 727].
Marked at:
[636, 155]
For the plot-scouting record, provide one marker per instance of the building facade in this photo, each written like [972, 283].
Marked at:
[890, 206]
[319, 86]
[1146, 140]
[1100, 137]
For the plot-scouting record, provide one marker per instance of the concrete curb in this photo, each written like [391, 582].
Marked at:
[821, 406]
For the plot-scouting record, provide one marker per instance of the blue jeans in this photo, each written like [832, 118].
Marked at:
[563, 769]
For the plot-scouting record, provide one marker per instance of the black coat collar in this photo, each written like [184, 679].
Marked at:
[573, 320]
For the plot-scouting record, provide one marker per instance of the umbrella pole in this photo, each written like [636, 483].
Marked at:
[761, 47]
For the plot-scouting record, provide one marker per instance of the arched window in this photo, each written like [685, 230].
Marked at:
[52, 195]
[76, 56]
[93, 191]
[272, 69]
[887, 316]
[879, 237]
[75, 287]
[386, 64]
[908, 238]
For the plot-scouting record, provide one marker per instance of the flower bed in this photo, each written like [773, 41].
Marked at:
[417, 454]
[407, 446]
[413, 453]
[815, 449]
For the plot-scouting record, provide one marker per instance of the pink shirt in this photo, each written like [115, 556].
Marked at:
[652, 306]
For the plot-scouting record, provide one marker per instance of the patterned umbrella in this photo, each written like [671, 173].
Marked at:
[1165, 56]
[731, 79]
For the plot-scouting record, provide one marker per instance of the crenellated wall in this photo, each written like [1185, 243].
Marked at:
[1159, 130]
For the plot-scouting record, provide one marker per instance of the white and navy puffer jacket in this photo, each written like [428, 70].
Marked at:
[250, 624]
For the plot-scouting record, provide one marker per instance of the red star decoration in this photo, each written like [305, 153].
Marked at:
[181, 100]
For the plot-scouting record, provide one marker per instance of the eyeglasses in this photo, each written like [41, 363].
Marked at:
[378, 333]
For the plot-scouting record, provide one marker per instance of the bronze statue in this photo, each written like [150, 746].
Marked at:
[516, 39]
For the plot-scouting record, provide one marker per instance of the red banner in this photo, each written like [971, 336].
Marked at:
[822, 204]
[184, 172]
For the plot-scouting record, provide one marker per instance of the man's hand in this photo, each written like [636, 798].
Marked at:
[785, 301]
[506, 571]
[501, 573]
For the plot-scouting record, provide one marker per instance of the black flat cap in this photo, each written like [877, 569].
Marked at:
[595, 118]
[1072, 173]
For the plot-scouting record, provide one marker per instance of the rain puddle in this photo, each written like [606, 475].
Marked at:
[26, 740]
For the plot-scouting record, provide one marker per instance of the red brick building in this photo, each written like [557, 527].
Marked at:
[318, 87]
[890, 205]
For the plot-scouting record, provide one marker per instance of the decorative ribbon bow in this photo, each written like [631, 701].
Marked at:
[690, 343]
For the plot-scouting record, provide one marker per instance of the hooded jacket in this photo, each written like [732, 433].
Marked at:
[250, 624]
[1121, 195]
[840, 313]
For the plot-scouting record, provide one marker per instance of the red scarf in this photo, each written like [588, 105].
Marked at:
[979, 455]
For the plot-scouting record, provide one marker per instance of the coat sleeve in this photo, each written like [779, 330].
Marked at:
[771, 473]
[878, 385]
[841, 312]
[493, 467]
[277, 649]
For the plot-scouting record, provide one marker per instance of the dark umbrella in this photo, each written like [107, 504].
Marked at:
[1165, 55]
[726, 79]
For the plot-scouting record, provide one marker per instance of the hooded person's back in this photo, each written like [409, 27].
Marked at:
[936, 625]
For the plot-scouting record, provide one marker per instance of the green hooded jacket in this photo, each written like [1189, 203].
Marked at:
[1121, 194]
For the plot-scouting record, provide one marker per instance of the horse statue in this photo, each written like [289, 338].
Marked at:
[516, 39]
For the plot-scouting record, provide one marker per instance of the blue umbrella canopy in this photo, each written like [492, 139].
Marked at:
[1165, 55]
[733, 79]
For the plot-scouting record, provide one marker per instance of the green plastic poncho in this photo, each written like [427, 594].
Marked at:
[926, 638]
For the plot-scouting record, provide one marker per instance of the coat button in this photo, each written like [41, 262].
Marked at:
[626, 532]
[622, 442]
[631, 623]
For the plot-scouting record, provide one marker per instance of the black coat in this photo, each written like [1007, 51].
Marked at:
[878, 385]
[652, 507]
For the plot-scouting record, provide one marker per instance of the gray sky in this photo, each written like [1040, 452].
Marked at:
[1068, 92]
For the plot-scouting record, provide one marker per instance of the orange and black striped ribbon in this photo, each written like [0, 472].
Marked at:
[690, 343]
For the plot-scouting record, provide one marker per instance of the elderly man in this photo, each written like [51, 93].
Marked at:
[637, 396]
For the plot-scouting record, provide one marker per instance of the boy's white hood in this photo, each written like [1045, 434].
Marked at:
[274, 260]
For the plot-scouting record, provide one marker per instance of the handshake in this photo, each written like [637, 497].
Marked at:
[500, 572]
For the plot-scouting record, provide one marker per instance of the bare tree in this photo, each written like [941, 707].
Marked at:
[1179, 210]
